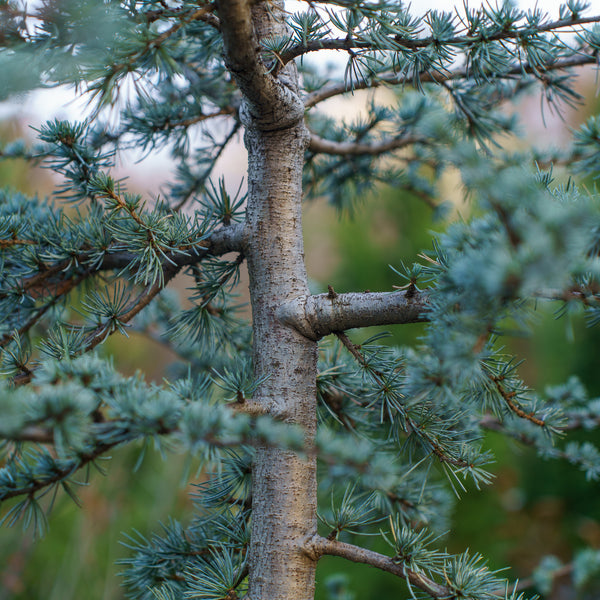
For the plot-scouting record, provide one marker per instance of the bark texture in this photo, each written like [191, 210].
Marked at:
[284, 485]
[318, 316]
[284, 494]
[319, 546]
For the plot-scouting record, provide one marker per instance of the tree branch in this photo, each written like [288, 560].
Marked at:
[397, 43]
[224, 240]
[61, 474]
[318, 316]
[518, 70]
[205, 14]
[509, 399]
[271, 102]
[31, 433]
[60, 292]
[144, 298]
[322, 145]
[231, 238]
[318, 546]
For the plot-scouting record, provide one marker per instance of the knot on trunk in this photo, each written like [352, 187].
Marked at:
[296, 314]
[311, 548]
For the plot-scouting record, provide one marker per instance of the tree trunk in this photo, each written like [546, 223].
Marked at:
[284, 485]
[284, 489]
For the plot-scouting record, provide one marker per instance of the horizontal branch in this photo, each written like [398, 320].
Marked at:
[399, 43]
[318, 546]
[31, 433]
[184, 123]
[318, 316]
[321, 145]
[41, 434]
[392, 79]
[59, 474]
[227, 239]
[204, 13]
[230, 238]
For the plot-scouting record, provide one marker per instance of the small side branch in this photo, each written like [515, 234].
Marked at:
[32, 433]
[318, 546]
[318, 316]
[398, 43]
[61, 474]
[509, 399]
[224, 240]
[145, 297]
[320, 145]
[518, 70]
[59, 292]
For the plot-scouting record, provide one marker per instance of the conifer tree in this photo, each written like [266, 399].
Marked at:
[292, 419]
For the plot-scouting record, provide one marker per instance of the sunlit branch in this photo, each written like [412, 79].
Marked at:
[392, 79]
[397, 42]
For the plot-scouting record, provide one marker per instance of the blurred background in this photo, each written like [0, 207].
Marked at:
[533, 508]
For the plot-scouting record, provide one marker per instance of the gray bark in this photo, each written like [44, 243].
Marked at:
[284, 485]
[318, 316]
[286, 320]
[284, 488]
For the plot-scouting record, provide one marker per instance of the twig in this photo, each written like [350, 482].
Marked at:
[436, 77]
[411, 424]
[321, 145]
[352, 43]
[509, 399]
[318, 546]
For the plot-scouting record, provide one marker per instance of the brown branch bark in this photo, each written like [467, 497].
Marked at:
[509, 399]
[318, 546]
[400, 43]
[393, 79]
[321, 145]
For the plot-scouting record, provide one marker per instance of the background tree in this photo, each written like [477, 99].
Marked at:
[380, 434]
